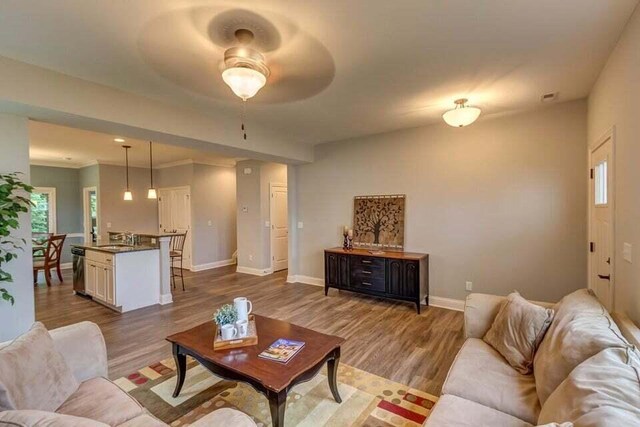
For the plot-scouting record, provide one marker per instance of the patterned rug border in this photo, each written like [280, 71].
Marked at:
[383, 403]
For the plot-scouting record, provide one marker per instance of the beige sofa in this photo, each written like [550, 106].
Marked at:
[586, 373]
[96, 401]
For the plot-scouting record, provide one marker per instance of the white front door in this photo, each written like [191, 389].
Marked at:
[174, 214]
[601, 260]
[279, 227]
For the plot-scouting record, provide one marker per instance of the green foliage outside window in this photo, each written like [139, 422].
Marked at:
[40, 213]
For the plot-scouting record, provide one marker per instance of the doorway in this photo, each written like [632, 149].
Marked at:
[174, 215]
[601, 220]
[279, 227]
[90, 213]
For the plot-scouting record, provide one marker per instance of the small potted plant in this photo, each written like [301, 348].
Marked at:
[225, 315]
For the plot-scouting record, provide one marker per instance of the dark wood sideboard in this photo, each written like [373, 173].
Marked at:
[394, 275]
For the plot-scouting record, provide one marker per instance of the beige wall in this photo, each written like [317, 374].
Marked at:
[500, 203]
[138, 215]
[254, 244]
[16, 319]
[613, 103]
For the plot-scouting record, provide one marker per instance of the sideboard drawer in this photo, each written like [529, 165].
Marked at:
[366, 282]
[359, 263]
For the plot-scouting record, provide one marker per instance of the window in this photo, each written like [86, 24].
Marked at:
[600, 177]
[43, 211]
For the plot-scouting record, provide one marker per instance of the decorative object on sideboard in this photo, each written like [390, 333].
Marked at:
[14, 201]
[349, 240]
[227, 314]
[379, 221]
[345, 242]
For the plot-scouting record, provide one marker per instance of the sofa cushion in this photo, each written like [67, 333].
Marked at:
[102, 400]
[454, 411]
[480, 374]
[34, 373]
[225, 417]
[33, 418]
[606, 387]
[581, 328]
[517, 331]
[145, 420]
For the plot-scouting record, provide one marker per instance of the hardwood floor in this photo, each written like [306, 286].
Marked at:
[383, 337]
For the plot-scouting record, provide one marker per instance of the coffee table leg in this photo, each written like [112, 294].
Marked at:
[277, 404]
[181, 369]
[332, 370]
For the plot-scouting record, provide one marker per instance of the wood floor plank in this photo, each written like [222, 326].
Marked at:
[383, 337]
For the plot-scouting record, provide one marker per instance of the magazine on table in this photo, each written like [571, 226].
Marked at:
[282, 350]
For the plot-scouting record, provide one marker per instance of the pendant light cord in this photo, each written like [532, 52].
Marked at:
[126, 157]
[151, 161]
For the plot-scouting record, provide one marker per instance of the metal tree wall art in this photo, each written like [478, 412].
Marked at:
[379, 221]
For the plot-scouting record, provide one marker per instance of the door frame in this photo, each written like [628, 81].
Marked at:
[189, 241]
[272, 185]
[609, 135]
[86, 216]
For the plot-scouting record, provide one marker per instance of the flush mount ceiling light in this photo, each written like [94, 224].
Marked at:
[118, 140]
[245, 69]
[462, 115]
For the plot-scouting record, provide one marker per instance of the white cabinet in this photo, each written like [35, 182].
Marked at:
[99, 277]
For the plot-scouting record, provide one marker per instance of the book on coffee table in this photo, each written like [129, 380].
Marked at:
[282, 350]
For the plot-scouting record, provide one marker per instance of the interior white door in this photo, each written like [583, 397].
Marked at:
[174, 213]
[279, 228]
[601, 223]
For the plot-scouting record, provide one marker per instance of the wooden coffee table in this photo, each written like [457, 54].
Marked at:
[270, 378]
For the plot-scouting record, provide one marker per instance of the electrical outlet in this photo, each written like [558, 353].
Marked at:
[300, 225]
[209, 223]
[245, 209]
[469, 286]
[108, 225]
[626, 252]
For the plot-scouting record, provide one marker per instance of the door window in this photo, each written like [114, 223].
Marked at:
[600, 172]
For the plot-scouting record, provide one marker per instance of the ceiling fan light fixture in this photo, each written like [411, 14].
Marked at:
[462, 115]
[245, 71]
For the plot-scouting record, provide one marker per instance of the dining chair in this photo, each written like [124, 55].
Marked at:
[39, 239]
[51, 259]
[176, 253]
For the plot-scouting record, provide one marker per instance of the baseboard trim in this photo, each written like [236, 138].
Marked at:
[440, 302]
[254, 271]
[448, 303]
[212, 265]
[66, 266]
[166, 299]
[307, 280]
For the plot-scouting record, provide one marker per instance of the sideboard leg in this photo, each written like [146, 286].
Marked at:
[326, 290]
[418, 306]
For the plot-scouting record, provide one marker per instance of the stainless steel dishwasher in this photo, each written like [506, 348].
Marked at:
[78, 270]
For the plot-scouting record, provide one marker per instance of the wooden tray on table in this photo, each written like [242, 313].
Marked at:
[250, 339]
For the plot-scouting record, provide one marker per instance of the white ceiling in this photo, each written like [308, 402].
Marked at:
[55, 145]
[340, 68]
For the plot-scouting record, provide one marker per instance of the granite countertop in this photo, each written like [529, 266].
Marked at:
[115, 248]
[152, 235]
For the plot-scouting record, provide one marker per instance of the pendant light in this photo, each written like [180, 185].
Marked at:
[462, 115]
[151, 194]
[127, 194]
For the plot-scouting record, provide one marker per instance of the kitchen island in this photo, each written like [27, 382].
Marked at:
[122, 277]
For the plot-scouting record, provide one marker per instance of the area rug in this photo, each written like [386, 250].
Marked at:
[367, 400]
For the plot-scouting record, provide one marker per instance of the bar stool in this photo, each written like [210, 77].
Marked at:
[175, 252]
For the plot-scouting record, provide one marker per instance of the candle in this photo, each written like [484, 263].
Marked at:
[345, 230]
[350, 233]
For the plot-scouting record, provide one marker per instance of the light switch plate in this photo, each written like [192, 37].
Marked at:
[245, 209]
[469, 286]
[300, 225]
[209, 223]
[108, 225]
[627, 252]
[267, 224]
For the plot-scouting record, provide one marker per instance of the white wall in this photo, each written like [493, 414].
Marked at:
[16, 319]
[500, 203]
[613, 103]
[254, 237]
[213, 199]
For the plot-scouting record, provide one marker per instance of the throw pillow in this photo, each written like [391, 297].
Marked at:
[34, 373]
[32, 418]
[517, 331]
